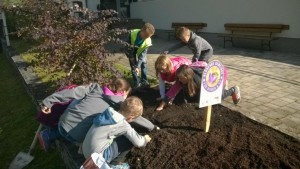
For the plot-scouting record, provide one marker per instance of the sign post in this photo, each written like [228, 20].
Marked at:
[211, 89]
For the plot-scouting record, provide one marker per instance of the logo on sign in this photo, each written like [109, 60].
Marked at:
[212, 76]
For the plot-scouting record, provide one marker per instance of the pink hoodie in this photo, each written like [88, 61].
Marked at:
[176, 63]
[108, 92]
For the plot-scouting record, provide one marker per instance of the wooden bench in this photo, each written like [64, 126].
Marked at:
[195, 27]
[262, 32]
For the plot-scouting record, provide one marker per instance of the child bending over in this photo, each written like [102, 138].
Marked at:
[88, 102]
[111, 134]
[165, 68]
[201, 49]
[189, 78]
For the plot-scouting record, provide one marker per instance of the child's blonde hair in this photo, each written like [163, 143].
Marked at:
[163, 61]
[188, 73]
[181, 30]
[132, 106]
[119, 85]
[149, 29]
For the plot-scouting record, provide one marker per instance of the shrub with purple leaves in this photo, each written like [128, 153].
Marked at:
[71, 41]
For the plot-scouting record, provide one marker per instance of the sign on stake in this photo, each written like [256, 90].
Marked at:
[211, 89]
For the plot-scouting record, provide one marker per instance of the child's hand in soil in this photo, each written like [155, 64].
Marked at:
[46, 110]
[147, 138]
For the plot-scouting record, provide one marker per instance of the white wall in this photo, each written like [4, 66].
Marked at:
[217, 12]
[92, 4]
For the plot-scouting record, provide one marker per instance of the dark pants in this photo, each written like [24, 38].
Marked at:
[227, 93]
[60, 132]
[133, 62]
[205, 55]
[124, 146]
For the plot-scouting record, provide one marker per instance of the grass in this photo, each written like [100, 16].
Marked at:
[22, 47]
[127, 74]
[18, 124]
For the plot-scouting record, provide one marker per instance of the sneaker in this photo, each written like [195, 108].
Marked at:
[44, 139]
[171, 101]
[120, 166]
[236, 97]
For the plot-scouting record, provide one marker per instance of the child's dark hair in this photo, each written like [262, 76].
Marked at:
[119, 85]
[180, 31]
[149, 28]
[188, 73]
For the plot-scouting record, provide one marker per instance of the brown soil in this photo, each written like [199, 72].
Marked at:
[234, 141]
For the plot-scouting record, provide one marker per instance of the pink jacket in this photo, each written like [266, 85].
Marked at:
[108, 92]
[176, 63]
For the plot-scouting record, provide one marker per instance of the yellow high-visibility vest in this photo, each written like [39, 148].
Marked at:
[146, 44]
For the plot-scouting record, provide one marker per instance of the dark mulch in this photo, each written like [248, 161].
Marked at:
[234, 141]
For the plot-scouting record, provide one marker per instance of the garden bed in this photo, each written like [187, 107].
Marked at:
[234, 141]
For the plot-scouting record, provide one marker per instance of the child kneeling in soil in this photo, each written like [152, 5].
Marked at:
[165, 68]
[112, 136]
[88, 101]
[189, 78]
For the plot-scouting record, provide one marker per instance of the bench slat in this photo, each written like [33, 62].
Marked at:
[248, 37]
[254, 29]
[261, 32]
[194, 25]
[272, 26]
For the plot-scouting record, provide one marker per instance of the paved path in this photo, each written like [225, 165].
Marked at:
[269, 83]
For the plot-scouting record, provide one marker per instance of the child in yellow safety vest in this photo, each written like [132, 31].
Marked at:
[140, 41]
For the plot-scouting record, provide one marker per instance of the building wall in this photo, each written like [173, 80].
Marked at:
[218, 12]
[92, 4]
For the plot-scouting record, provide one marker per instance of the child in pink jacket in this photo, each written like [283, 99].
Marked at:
[165, 68]
[189, 77]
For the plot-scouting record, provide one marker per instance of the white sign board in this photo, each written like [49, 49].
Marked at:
[211, 84]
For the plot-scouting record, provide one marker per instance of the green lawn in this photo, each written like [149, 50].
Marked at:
[18, 124]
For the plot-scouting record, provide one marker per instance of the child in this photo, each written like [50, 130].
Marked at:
[190, 77]
[165, 68]
[201, 49]
[140, 41]
[112, 136]
[89, 101]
